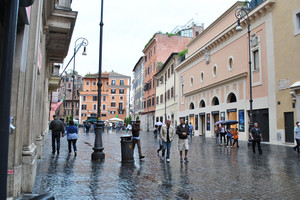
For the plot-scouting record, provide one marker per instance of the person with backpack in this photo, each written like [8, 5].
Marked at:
[256, 136]
[57, 127]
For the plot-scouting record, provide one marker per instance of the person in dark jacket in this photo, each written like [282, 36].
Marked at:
[256, 136]
[57, 127]
[72, 136]
[136, 137]
[183, 131]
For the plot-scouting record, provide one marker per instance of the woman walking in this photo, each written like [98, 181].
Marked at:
[72, 136]
[229, 137]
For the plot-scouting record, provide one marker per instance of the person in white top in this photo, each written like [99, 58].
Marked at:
[297, 137]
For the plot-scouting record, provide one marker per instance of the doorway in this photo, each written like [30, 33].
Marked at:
[232, 116]
[192, 121]
[262, 118]
[289, 126]
[202, 124]
[215, 118]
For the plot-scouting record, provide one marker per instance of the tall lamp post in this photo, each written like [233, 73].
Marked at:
[239, 15]
[98, 154]
[84, 42]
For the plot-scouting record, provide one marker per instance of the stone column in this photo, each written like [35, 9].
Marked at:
[29, 153]
[17, 96]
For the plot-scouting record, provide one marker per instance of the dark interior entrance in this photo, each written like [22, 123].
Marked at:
[262, 118]
[202, 124]
[289, 126]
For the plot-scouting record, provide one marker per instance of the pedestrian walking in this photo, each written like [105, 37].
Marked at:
[136, 137]
[229, 136]
[217, 134]
[256, 136]
[191, 129]
[222, 134]
[183, 131]
[161, 146]
[167, 136]
[87, 127]
[57, 127]
[297, 137]
[72, 136]
[235, 134]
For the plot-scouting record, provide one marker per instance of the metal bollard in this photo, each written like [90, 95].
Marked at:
[126, 148]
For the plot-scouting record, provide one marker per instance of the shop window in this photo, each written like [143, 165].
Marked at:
[192, 107]
[231, 98]
[202, 104]
[215, 101]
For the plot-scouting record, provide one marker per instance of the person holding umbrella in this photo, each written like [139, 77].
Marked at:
[229, 135]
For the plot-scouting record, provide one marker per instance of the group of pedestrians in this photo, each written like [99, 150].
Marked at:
[226, 135]
[58, 130]
[166, 135]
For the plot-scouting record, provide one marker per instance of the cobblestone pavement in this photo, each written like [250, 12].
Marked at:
[214, 172]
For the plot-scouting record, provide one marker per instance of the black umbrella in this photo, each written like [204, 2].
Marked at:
[230, 122]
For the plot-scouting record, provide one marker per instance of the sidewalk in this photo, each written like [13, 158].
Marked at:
[214, 172]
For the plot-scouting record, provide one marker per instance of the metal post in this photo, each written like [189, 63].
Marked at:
[6, 69]
[98, 154]
[166, 100]
[73, 77]
[250, 77]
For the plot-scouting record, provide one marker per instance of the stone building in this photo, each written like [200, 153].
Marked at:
[65, 96]
[214, 79]
[138, 86]
[166, 91]
[115, 96]
[43, 35]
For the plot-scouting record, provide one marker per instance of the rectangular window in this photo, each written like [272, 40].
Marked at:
[169, 73]
[121, 98]
[95, 107]
[104, 98]
[69, 85]
[172, 92]
[168, 94]
[113, 91]
[106, 82]
[144, 104]
[154, 66]
[256, 60]
[83, 107]
[83, 98]
[182, 87]
[83, 115]
[157, 100]
[94, 82]
[120, 106]
[77, 112]
[87, 83]
[113, 104]
[103, 107]
[148, 70]
[153, 101]
[172, 68]
[208, 121]
[296, 20]
[161, 98]
[112, 97]
[121, 91]
[157, 82]
[95, 98]
[113, 82]
[121, 82]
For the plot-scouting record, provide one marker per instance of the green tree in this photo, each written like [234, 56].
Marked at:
[129, 119]
[137, 118]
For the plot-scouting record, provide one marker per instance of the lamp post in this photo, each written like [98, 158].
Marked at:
[84, 42]
[239, 15]
[98, 154]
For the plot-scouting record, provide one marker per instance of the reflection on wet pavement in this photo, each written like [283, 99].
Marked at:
[214, 172]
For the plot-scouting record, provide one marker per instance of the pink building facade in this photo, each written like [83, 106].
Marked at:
[214, 79]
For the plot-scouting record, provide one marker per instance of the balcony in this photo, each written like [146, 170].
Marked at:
[54, 80]
[59, 25]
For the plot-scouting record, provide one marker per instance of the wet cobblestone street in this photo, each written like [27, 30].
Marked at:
[214, 172]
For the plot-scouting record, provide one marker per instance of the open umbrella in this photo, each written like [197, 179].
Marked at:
[159, 123]
[230, 122]
[115, 120]
[219, 122]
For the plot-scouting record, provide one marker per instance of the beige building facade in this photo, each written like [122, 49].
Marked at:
[166, 92]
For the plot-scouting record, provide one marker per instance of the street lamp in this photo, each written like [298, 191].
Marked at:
[84, 42]
[239, 15]
[98, 154]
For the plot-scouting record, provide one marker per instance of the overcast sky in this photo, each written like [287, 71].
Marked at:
[128, 26]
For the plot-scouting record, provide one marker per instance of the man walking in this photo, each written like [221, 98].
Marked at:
[191, 129]
[256, 136]
[56, 126]
[136, 137]
[167, 136]
[297, 136]
[182, 131]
